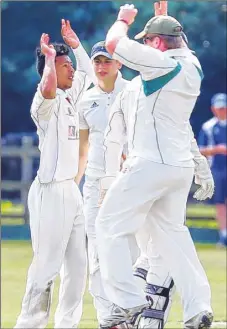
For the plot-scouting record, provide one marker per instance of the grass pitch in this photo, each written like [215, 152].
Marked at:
[16, 257]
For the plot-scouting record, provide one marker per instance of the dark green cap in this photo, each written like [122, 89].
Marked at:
[166, 25]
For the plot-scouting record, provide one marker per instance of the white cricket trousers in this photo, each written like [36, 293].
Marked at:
[141, 188]
[58, 241]
[91, 193]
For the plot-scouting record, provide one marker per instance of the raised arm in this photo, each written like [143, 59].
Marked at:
[48, 83]
[125, 18]
[45, 100]
[147, 60]
[84, 74]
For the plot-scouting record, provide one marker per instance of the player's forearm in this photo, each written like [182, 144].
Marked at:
[48, 83]
[84, 63]
[208, 151]
[118, 30]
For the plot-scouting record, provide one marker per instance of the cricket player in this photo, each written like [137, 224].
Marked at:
[54, 201]
[94, 110]
[160, 286]
[154, 184]
[213, 144]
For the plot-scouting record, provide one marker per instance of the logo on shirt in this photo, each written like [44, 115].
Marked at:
[73, 133]
[69, 112]
[94, 105]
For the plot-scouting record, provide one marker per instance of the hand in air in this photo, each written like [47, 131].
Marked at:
[160, 8]
[46, 48]
[68, 35]
[127, 13]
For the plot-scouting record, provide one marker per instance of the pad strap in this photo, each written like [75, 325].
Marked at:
[141, 273]
[157, 290]
[153, 314]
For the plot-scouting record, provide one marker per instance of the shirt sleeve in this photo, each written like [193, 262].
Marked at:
[82, 121]
[197, 156]
[148, 61]
[115, 137]
[84, 74]
[202, 138]
[42, 108]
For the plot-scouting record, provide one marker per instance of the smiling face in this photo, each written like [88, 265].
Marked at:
[65, 72]
[105, 68]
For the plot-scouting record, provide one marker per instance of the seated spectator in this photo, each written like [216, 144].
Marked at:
[212, 143]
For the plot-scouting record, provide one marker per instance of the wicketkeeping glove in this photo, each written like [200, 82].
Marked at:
[203, 177]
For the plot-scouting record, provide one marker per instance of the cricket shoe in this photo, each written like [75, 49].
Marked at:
[122, 318]
[203, 320]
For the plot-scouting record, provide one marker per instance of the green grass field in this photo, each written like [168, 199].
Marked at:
[16, 257]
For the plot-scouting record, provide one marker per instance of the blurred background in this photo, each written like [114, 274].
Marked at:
[22, 24]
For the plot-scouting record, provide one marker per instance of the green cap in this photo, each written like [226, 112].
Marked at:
[166, 25]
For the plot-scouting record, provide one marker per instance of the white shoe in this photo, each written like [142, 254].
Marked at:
[120, 316]
[203, 320]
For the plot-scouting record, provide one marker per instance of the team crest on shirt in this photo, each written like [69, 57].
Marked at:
[69, 112]
[73, 133]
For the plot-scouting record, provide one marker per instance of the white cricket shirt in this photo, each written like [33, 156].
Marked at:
[116, 134]
[94, 109]
[158, 129]
[57, 123]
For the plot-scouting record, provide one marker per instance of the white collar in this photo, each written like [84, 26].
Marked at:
[222, 122]
[61, 92]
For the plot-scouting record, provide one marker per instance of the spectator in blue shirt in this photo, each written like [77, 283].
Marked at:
[212, 142]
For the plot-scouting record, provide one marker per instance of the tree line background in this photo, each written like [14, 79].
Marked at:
[23, 23]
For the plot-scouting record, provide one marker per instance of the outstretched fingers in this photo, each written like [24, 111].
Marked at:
[156, 9]
[44, 39]
[163, 7]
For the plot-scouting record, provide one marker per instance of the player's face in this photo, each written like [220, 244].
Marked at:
[65, 72]
[105, 68]
[220, 113]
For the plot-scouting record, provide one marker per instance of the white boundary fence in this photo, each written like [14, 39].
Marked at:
[27, 151]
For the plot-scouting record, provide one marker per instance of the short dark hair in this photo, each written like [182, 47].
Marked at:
[61, 49]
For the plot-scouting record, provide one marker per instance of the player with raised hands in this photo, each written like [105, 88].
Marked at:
[153, 186]
[54, 201]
